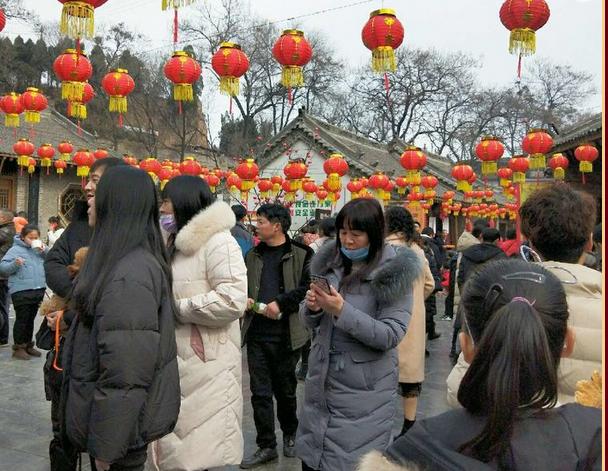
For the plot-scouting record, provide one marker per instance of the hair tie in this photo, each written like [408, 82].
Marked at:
[523, 300]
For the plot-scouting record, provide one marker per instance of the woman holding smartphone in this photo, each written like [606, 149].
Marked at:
[350, 391]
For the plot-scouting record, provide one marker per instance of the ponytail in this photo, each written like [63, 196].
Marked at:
[515, 367]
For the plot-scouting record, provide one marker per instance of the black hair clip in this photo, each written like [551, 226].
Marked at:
[526, 276]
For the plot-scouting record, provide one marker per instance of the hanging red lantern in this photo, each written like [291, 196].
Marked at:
[130, 160]
[151, 166]
[414, 198]
[60, 166]
[164, 175]
[413, 160]
[118, 84]
[183, 71]
[520, 165]
[31, 165]
[586, 154]
[293, 52]
[310, 189]
[537, 143]
[65, 149]
[448, 196]
[462, 174]
[401, 183]
[523, 18]
[295, 171]
[12, 106]
[335, 167]
[73, 69]
[355, 187]
[378, 182]
[2, 19]
[230, 64]
[190, 167]
[247, 171]
[233, 182]
[46, 153]
[559, 163]
[33, 103]
[382, 34]
[213, 181]
[489, 195]
[489, 151]
[264, 187]
[322, 195]
[429, 183]
[78, 108]
[78, 18]
[101, 153]
[24, 150]
[505, 174]
[83, 160]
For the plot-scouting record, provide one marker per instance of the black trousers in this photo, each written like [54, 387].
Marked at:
[431, 309]
[26, 305]
[305, 467]
[4, 307]
[134, 461]
[272, 373]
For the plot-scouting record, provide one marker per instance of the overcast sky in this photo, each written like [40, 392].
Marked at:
[573, 34]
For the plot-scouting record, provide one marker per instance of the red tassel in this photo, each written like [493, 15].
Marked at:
[175, 26]
[78, 48]
[519, 67]
[120, 120]
[79, 129]
[48, 169]
[179, 107]
[230, 106]
[584, 179]
[289, 97]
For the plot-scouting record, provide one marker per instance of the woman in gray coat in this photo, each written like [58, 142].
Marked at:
[351, 387]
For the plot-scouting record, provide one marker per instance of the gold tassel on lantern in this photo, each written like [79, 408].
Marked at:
[118, 104]
[82, 171]
[559, 173]
[72, 91]
[383, 59]
[78, 111]
[32, 117]
[11, 120]
[585, 167]
[175, 3]
[31, 168]
[463, 185]
[230, 86]
[292, 77]
[522, 41]
[183, 92]
[519, 177]
[489, 168]
[538, 161]
[333, 182]
[23, 160]
[77, 20]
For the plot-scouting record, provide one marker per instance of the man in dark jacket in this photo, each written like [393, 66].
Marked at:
[476, 256]
[7, 235]
[435, 243]
[58, 278]
[278, 276]
[239, 231]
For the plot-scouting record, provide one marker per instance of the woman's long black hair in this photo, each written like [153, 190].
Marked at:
[516, 313]
[361, 214]
[189, 195]
[126, 209]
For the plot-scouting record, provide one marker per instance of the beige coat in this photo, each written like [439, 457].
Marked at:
[210, 288]
[585, 317]
[411, 348]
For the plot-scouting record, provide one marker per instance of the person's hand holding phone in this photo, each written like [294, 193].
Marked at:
[311, 300]
[331, 303]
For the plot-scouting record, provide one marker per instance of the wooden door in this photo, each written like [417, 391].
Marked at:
[7, 193]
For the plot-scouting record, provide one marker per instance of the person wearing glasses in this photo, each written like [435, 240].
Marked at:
[515, 335]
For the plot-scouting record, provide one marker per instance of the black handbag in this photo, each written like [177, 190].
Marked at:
[45, 337]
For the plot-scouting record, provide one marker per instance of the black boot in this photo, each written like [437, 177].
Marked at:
[407, 424]
[261, 456]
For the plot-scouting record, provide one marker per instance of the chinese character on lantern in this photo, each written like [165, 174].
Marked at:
[537, 143]
[118, 84]
[293, 52]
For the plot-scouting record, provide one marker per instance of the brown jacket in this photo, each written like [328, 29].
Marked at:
[411, 348]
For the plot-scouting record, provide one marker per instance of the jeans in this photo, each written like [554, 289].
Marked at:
[133, 461]
[4, 307]
[26, 305]
[272, 373]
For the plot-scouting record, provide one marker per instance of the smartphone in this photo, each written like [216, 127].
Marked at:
[322, 282]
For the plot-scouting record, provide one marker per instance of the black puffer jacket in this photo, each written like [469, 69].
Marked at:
[121, 384]
[474, 257]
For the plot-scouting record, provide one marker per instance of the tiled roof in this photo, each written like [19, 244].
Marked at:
[580, 130]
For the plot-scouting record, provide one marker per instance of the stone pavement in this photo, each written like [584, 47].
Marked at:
[25, 427]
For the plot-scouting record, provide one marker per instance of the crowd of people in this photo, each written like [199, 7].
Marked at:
[154, 297]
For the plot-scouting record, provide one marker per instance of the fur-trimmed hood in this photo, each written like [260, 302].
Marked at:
[216, 218]
[396, 273]
[376, 461]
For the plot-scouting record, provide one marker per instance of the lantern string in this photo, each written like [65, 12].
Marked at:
[175, 26]
[179, 107]
[230, 106]
[519, 66]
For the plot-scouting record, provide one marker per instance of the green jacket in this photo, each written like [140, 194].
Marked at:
[296, 279]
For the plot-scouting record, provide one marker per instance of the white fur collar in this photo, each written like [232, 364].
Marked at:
[216, 218]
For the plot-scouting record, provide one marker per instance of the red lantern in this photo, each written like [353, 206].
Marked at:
[130, 160]
[33, 103]
[46, 153]
[335, 167]
[413, 160]
[2, 19]
[462, 174]
[77, 18]
[101, 153]
[448, 196]
[264, 187]
[586, 154]
[489, 195]
[247, 171]
[559, 164]
[11, 105]
[355, 187]
[78, 109]
[322, 195]
[230, 64]
[382, 34]
[401, 183]
[505, 174]
[164, 175]
[31, 165]
[414, 198]
[118, 84]
[183, 71]
[60, 166]
[73, 69]
[429, 183]
[295, 171]
[190, 167]
[65, 149]
[293, 52]
[83, 160]
[489, 151]
[24, 150]
[537, 143]
[310, 188]
[151, 166]
[213, 181]
[519, 165]
[378, 182]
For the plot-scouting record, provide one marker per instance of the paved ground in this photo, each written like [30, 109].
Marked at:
[25, 427]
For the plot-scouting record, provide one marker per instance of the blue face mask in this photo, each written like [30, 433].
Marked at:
[167, 222]
[355, 255]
